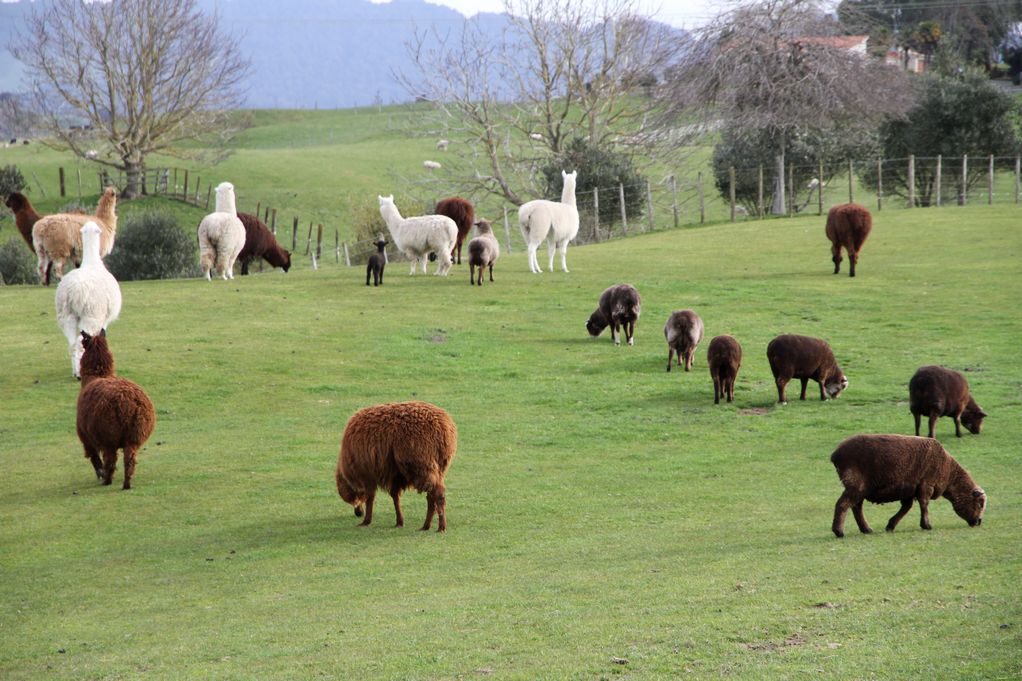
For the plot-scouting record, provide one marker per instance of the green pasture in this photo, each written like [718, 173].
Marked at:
[605, 519]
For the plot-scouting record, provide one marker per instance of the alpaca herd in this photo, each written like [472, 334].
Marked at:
[397, 446]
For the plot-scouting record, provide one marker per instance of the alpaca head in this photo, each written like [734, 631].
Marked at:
[225, 201]
[96, 361]
[568, 192]
[385, 200]
[90, 238]
[16, 201]
[108, 199]
[287, 261]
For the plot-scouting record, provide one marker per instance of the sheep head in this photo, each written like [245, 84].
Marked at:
[835, 385]
[972, 417]
[596, 324]
[970, 505]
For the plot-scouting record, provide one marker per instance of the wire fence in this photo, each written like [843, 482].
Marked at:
[674, 201]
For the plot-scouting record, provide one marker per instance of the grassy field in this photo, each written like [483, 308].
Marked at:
[606, 520]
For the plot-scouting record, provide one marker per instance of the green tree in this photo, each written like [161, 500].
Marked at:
[953, 116]
[598, 168]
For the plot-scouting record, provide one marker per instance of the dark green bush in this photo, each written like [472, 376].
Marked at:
[153, 246]
[11, 180]
[602, 169]
[17, 264]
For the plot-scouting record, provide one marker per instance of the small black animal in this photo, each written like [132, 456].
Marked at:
[377, 261]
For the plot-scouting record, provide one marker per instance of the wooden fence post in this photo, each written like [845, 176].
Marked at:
[294, 235]
[702, 200]
[209, 194]
[911, 180]
[61, 180]
[819, 189]
[990, 181]
[596, 214]
[792, 195]
[198, 181]
[964, 195]
[308, 240]
[880, 183]
[649, 206]
[851, 177]
[674, 199]
[266, 214]
[507, 231]
[273, 222]
[1018, 185]
[79, 171]
[319, 241]
[184, 192]
[759, 193]
[624, 211]
[337, 245]
[347, 256]
[937, 175]
[259, 205]
[731, 190]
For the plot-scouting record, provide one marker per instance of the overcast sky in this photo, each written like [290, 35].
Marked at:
[681, 13]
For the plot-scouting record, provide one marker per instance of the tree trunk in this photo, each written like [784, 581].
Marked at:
[133, 173]
[779, 207]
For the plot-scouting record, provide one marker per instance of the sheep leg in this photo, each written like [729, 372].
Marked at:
[395, 494]
[130, 457]
[630, 326]
[844, 502]
[613, 333]
[670, 356]
[491, 270]
[923, 496]
[730, 387]
[835, 251]
[369, 508]
[369, 273]
[917, 418]
[436, 503]
[689, 357]
[781, 381]
[853, 258]
[471, 274]
[716, 389]
[958, 424]
[109, 465]
[805, 382]
[92, 454]
[933, 423]
[860, 519]
[244, 269]
[906, 506]
[415, 261]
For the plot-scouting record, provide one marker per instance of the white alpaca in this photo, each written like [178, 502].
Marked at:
[88, 298]
[550, 220]
[419, 236]
[221, 235]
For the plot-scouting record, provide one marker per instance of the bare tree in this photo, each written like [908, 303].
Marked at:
[145, 74]
[774, 66]
[562, 69]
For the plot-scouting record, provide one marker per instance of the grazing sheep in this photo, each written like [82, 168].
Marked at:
[396, 446]
[802, 357]
[113, 413]
[724, 356]
[260, 243]
[884, 468]
[550, 220]
[377, 261]
[683, 331]
[416, 237]
[88, 298]
[464, 216]
[483, 251]
[221, 235]
[441, 145]
[55, 238]
[936, 391]
[431, 165]
[619, 306]
[24, 216]
[848, 225]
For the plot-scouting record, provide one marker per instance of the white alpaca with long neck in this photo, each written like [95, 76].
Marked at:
[88, 298]
[557, 222]
[221, 235]
[417, 237]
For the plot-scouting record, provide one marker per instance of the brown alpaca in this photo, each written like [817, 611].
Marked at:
[113, 413]
[724, 356]
[24, 216]
[848, 225]
[260, 243]
[885, 468]
[55, 238]
[463, 214]
[396, 446]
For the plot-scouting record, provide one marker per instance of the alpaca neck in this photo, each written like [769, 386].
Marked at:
[225, 203]
[391, 215]
[96, 365]
[90, 250]
[105, 209]
[568, 193]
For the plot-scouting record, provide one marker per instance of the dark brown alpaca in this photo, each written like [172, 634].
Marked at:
[463, 214]
[24, 216]
[848, 225]
[396, 446]
[113, 413]
[260, 243]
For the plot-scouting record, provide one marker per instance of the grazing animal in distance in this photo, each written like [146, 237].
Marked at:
[619, 307]
[113, 413]
[25, 216]
[417, 237]
[463, 213]
[724, 356]
[483, 251]
[88, 298]
[260, 243]
[936, 391]
[804, 358]
[221, 235]
[377, 261]
[396, 446]
[55, 238]
[885, 468]
[557, 222]
[683, 331]
[848, 226]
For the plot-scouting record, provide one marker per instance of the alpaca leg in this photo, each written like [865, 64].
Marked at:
[782, 382]
[906, 506]
[551, 249]
[206, 258]
[436, 503]
[564, 255]
[805, 382]
[958, 425]
[444, 263]
[835, 253]
[130, 457]
[731, 389]
[613, 333]
[853, 258]
[109, 465]
[92, 454]
[69, 325]
[43, 268]
[533, 262]
[369, 507]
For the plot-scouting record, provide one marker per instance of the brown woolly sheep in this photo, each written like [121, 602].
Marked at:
[793, 356]
[683, 331]
[936, 391]
[24, 216]
[483, 251]
[377, 261]
[396, 446]
[724, 356]
[260, 243]
[884, 468]
[848, 225]
[55, 238]
[619, 306]
[463, 213]
[113, 413]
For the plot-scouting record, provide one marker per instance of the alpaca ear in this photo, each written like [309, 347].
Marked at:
[102, 332]
[85, 336]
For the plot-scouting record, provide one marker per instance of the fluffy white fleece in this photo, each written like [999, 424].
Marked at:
[550, 220]
[221, 235]
[417, 237]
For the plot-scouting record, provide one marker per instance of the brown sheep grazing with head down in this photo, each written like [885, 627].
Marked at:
[619, 307]
[464, 215]
[884, 468]
[24, 216]
[260, 243]
[113, 413]
[683, 331]
[848, 225]
[396, 446]
[724, 356]
[802, 357]
[936, 391]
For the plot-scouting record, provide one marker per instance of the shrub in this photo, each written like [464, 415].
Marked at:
[17, 266]
[602, 169]
[153, 246]
[11, 180]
